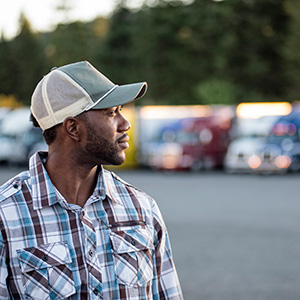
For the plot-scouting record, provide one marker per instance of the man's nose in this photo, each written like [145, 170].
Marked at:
[124, 124]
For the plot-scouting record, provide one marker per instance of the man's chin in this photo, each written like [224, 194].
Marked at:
[116, 161]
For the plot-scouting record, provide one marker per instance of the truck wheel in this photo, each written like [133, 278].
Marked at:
[197, 165]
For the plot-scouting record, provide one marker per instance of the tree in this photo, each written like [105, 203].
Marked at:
[291, 49]
[27, 62]
[217, 91]
[176, 46]
[255, 61]
[115, 54]
[69, 43]
[6, 73]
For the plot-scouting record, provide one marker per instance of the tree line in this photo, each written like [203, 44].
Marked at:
[196, 52]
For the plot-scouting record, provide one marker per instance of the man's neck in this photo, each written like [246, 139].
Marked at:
[75, 182]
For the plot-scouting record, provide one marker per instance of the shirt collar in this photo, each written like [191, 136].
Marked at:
[114, 187]
[107, 186]
[100, 189]
[44, 192]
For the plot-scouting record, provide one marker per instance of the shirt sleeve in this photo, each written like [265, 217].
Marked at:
[3, 271]
[165, 282]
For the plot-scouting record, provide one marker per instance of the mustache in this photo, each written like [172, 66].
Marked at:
[125, 135]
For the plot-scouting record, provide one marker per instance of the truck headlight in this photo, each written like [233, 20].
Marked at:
[254, 162]
[283, 161]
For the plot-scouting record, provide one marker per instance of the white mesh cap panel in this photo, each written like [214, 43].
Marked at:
[63, 92]
[38, 107]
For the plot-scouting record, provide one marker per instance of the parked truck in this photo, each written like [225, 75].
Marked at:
[280, 151]
[190, 144]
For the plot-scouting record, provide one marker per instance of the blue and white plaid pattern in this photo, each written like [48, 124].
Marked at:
[115, 247]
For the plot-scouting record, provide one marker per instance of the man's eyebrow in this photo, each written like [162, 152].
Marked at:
[106, 109]
[117, 106]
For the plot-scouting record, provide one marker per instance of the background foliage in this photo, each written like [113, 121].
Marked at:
[189, 52]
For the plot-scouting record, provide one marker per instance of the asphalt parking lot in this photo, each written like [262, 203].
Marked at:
[234, 237]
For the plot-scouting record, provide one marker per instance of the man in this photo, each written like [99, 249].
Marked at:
[69, 228]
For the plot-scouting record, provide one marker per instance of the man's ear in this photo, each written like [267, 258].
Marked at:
[72, 127]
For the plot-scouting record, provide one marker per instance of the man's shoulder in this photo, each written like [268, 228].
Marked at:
[13, 186]
[120, 181]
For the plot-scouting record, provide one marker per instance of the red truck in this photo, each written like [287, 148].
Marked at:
[191, 144]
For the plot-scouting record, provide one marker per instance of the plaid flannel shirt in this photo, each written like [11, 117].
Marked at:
[115, 247]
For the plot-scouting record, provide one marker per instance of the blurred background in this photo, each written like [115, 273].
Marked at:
[216, 139]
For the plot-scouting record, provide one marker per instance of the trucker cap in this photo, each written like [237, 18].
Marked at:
[69, 90]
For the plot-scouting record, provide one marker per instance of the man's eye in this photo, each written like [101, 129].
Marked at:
[116, 110]
[113, 112]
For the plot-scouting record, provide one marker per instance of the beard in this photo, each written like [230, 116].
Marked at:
[102, 149]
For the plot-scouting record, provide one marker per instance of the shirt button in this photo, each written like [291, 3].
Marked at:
[91, 253]
[95, 291]
[133, 242]
[83, 212]
[45, 258]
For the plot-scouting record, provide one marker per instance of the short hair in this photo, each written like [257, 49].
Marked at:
[49, 134]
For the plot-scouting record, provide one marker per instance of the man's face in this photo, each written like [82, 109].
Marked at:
[106, 137]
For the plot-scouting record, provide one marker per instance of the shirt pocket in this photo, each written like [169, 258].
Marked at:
[132, 256]
[45, 271]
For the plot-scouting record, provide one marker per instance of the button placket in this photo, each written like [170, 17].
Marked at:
[90, 236]
[91, 257]
[90, 246]
[96, 293]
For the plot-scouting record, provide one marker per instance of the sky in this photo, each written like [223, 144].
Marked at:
[43, 15]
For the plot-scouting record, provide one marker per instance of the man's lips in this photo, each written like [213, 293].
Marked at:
[123, 141]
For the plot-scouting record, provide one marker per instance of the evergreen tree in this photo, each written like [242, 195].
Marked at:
[116, 54]
[6, 73]
[70, 43]
[291, 49]
[28, 62]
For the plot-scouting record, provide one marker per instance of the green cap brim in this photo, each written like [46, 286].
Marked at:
[122, 94]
